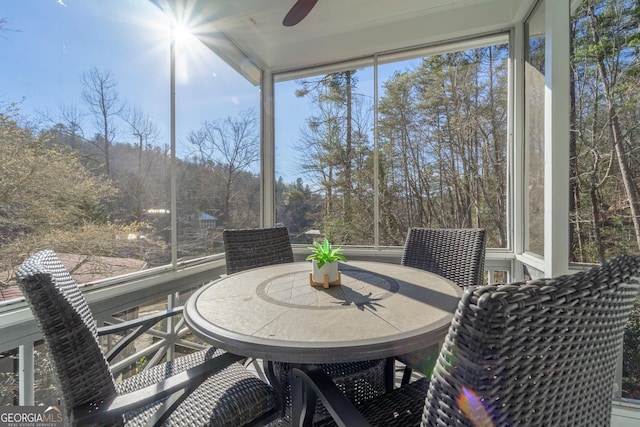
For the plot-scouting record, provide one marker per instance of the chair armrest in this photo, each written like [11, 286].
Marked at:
[317, 383]
[178, 387]
[138, 326]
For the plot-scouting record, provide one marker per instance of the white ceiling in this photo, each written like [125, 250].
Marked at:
[337, 30]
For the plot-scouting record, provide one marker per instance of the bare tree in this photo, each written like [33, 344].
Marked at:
[72, 124]
[146, 132]
[4, 29]
[101, 97]
[232, 143]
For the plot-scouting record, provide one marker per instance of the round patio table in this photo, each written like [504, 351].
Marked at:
[380, 310]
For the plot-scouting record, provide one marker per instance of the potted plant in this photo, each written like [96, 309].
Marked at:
[325, 263]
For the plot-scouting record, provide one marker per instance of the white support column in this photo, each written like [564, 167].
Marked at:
[556, 136]
[26, 375]
[518, 194]
[174, 179]
[171, 326]
[267, 151]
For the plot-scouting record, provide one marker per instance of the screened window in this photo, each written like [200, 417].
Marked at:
[361, 160]
[85, 121]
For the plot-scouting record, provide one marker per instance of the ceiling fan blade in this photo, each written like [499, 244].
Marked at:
[298, 12]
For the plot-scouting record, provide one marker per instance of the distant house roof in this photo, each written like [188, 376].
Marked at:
[203, 217]
[207, 217]
[96, 269]
[11, 292]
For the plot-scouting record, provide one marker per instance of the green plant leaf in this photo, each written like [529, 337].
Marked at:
[323, 253]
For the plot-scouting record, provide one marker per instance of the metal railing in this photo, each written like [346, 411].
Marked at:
[108, 299]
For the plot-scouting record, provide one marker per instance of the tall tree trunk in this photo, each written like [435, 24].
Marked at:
[107, 143]
[227, 197]
[595, 210]
[625, 172]
[139, 188]
[575, 234]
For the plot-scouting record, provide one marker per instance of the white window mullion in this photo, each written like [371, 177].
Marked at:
[267, 151]
[556, 139]
[518, 194]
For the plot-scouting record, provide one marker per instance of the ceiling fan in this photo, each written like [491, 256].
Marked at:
[298, 12]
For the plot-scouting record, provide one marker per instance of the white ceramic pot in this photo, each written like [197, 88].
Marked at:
[330, 268]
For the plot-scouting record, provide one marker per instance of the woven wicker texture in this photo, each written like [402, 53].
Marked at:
[542, 354]
[454, 253]
[359, 381]
[250, 248]
[231, 397]
[68, 328]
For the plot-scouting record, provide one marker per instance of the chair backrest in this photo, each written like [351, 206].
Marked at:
[68, 329]
[454, 253]
[541, 353]
[256, 247]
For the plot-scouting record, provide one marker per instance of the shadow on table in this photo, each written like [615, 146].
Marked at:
[403, 287]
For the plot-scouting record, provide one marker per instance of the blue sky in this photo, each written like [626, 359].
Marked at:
[48, 44]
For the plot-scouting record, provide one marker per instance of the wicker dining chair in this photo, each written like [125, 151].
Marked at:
[456, 254]
[251, 248]
[540, 353]
[256, 247]
[207, 387]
